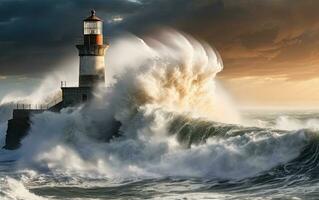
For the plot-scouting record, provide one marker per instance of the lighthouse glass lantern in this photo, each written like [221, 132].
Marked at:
[93, 27]
[93, 30]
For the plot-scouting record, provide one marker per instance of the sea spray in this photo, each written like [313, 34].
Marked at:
[47, 90]
[148, 149]
[5, 114]
[173, 124]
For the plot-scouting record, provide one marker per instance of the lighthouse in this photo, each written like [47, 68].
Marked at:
[91, 52]
[92, 69]
[91, 66]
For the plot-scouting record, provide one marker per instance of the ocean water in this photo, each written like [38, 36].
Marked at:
[181, 137]
[221, 162]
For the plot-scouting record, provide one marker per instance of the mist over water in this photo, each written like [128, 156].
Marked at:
[177, 128]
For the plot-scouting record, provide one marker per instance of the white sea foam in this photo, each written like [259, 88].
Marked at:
[284, 122]
[12, 189]
[290, 123]
[173, 76]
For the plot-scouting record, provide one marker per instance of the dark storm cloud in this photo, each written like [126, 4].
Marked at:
[36, 35]
[254, 37]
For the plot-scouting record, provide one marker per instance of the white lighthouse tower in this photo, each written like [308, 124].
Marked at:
[92, 66]
[91, 52]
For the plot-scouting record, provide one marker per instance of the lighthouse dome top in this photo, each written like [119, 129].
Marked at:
[93, 17]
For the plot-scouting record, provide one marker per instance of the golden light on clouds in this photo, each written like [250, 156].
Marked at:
[277, 91]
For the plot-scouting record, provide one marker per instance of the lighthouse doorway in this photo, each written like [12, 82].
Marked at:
[84, 97]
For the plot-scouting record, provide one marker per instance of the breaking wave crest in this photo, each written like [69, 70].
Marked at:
[173, 124]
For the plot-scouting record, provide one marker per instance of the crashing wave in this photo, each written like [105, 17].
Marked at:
[173, 123]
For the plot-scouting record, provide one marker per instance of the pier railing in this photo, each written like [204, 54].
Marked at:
[46, 106]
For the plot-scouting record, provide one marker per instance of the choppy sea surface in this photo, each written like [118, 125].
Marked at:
[181, 136]
[278, 159]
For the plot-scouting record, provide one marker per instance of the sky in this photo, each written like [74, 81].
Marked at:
[270, 48]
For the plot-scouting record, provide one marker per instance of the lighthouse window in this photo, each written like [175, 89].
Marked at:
[92, 27]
